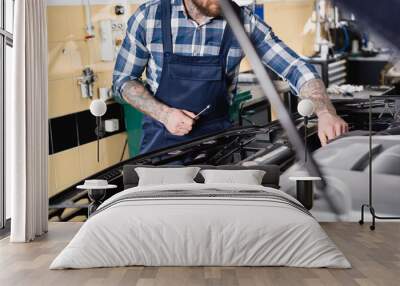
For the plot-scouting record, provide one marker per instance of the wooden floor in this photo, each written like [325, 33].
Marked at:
[375, 257]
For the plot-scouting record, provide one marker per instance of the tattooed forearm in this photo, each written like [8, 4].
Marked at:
[136, 94]
[315, 90]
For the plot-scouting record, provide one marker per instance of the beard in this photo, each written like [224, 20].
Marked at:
[208, 8]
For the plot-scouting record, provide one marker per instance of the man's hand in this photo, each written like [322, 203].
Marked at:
[178, 121]
[330, 126]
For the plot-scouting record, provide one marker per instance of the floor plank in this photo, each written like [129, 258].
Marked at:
[375, 257]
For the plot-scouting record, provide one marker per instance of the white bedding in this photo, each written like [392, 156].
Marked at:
[188, 231]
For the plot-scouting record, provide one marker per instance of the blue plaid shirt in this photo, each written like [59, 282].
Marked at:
[142, 47]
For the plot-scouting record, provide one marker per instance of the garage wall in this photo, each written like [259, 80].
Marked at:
[69, 53]
[288, 18]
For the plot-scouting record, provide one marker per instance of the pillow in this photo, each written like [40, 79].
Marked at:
[246, 177]
[166, 176]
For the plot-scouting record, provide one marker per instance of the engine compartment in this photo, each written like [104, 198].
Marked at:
[344, 161]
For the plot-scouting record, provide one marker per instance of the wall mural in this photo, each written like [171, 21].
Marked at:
[84, 37]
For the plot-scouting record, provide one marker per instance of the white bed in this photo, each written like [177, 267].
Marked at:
[221, 226]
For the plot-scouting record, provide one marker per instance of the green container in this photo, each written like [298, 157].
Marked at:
[238, 99]
[133, 125]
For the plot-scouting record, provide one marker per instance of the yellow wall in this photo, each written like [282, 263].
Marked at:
[70, 166]
[287, 19]
[69, 53]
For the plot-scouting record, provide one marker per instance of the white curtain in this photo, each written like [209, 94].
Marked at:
[27, 123]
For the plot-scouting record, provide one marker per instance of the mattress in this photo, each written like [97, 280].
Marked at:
[201, 225]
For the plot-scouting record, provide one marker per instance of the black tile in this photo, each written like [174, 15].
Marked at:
[79, 128]
[86, 127]
[51, 150]
[63, 133]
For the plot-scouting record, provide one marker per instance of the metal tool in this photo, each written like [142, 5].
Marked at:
[201, 112]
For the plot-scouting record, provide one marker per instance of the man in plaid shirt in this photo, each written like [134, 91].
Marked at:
[192, 62]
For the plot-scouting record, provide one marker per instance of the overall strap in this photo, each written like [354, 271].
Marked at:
[228, 34]
[166, 25]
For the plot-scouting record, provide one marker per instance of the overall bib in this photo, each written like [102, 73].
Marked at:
[190, 83]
